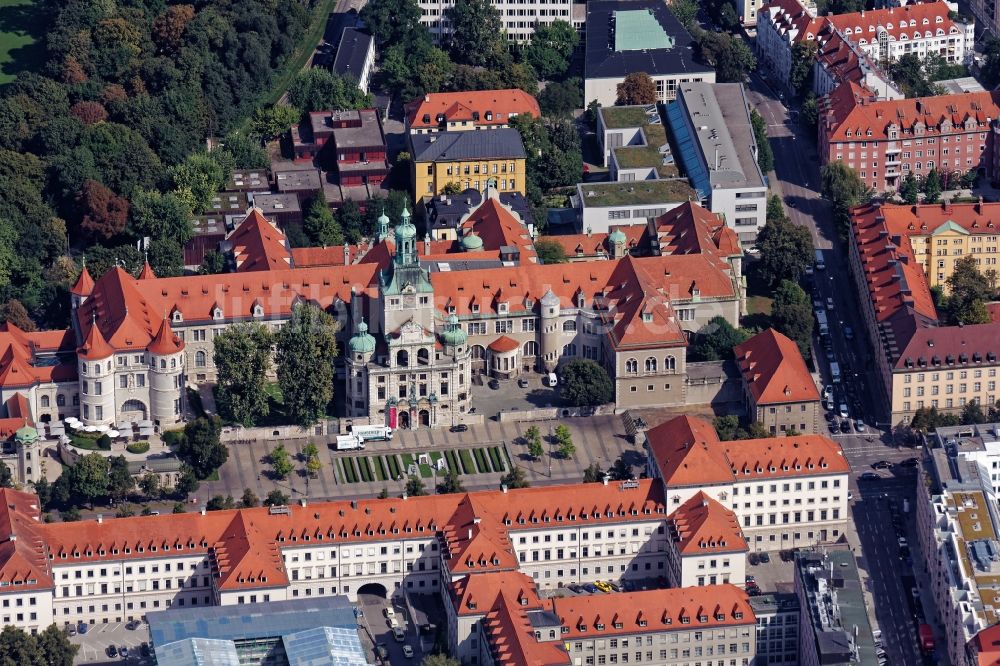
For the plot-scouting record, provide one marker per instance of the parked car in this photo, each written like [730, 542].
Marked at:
[144, 650]
[578, 589]
[82, 627]
[843, 410]
[133, 625]
[591, 588]
[845, 426]
[523, 383]
[869, 476]
[494, 384]
[461, 427]
[848, 332]
[408, 652]
[603, 587]
[764, 558]
[909, 462]
[750, 579]
[398, 634]
[123, 651]
[754, 559]
[112, 651]
[383, 651]
[881, 464]
[860, 426]
[389, 612]
[827, 392]
[830, 305]
[614, 586]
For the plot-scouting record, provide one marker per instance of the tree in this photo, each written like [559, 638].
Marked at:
[169, 27]
[415, 486]
[201, 448]
[242, 358]
[621, 470]
[187, 483]
[103, 214]
[791, 314]
[550, 251]
[715, 340]
[89, 113]
[149, 484]
[125, 511]
[564, 441]
[551, 48]
[249, 499]
[306, 348]
[276, 498]
[909, 190]
[14, 312]
[968, 292]
[732, 58]
[280, 461]
[213, 263]
[533, 438]
[841, 185]
[932, 186]
[179, 507]
[392, 21]
[765, 158]
[55, 647]
[272, 122]
[313, 466]
[972, 413]
[6, 478]
[786, 249]
[586, 382]
[450, 484]
[160, 216]
[686, 12]
[809, 111]
[439, 660]
[246, 151]
[593, 474]
[801, 72]
[320, 225]
[218, 503]
[515, 479]
[636, 88]
[319, 89]
[120, 481]
[728, 428]
[199, 177]
[88, 477]
[18, 648]
[560, 99]
[477, 22]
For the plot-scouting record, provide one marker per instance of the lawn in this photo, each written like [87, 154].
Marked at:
[759, 305]
[23, 25]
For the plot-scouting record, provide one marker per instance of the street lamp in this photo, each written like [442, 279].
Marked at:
[552, 435]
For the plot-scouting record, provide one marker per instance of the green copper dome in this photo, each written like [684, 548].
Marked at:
[471, 242]
[362, 343]
[453, 334]
[617, 237]
[383, 218]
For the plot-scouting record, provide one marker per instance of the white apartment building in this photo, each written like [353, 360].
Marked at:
[519, 18]
[787, 492]
[957, 523]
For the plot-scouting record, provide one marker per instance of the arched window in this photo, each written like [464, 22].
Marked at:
[60, 400]
[45, 401]
[650, 364]
[199, 359]
[569, 350]
[173, 363]
[478, 352]
[83, 368]
[530, 348]
[670, 363]
[423, 357]
[632, 366]
[569, 326]
[402, 358]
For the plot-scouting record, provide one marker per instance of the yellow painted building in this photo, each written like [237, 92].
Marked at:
[468, 159]
[938, 250]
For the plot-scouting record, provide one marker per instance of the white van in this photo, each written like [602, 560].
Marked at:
[553, 381]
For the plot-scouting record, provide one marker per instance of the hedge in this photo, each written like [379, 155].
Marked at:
[138, 447]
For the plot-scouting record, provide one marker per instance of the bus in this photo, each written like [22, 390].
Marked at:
[372, 433]
[926, 638]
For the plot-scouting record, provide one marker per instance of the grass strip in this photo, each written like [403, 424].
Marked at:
[352, 471]
[481, 463]
[467, 465]
[453, 461]
[298, 59]
[366, 471]
[393, 462]
[495, 459]
[379, 468]
[425, 470]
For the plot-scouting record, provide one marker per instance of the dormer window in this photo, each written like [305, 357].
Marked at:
[451, 309]
[258, 310]
[502, 308]
[475, 307]
[177, 316]
[216, 313]
[599, 626]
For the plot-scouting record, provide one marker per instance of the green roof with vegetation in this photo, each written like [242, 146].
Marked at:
[648, 156]
[619, 117]
[636, 193]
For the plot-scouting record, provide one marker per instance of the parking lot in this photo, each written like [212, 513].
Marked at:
[377, 631]
[509, 395]
[94, 644]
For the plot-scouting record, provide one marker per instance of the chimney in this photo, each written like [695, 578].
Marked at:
[203, 510]
[427, 98]
[470, 534]
[100, 518]
[503, 487]
[347, 254]
[303, 502]
[604, 478]
[427, 244]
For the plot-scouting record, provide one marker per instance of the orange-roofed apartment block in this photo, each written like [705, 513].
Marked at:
[779, 392]
[469, 110]
[786, 492]
[885, 141]
[896, 254]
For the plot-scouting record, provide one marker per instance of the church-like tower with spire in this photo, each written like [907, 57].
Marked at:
[412, 369]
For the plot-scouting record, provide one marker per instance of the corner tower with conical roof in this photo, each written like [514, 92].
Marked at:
[166, 376]
[97, 375]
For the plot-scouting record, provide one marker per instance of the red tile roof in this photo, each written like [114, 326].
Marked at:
[511, 637]
[850, 109]
[84, 283]
[497, 226]
[166, 341]
[916, 21]
[987, 645]
[504, 344]
[147, 272]
[95, 347]
[681, 609]
[703, 526]
[457, 106]
[691, 229]
[774, 370]
[593, 244]
[22, 559]
[258, 245]
[687, 452]
[476, 595]
[18, 351]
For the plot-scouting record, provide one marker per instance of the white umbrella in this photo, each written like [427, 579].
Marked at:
[90, 429]
[65, 440]
[113, 433]
[72, 420]
[103, 428]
